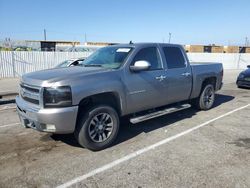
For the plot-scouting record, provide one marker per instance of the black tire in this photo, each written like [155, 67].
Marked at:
[206, 99]
[87, 126]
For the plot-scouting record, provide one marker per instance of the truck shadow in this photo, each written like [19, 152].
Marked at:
[128, 130]
[68, 139]
[7, 101]
[220, 99]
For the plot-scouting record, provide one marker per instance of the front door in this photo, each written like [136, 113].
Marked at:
[145, 89]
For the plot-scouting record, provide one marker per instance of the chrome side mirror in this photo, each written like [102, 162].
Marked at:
[140, 66]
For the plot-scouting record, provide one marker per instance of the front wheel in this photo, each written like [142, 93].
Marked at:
[97, 128]
[206, 99]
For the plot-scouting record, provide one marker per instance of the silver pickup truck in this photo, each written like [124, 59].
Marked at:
[140, 81]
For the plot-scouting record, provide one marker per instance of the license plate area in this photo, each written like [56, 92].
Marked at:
[26, 122]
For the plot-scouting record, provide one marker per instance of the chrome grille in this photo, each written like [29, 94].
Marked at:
[30, 93]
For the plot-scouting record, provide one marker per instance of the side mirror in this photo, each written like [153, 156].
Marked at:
[248, 66]
[140, 66]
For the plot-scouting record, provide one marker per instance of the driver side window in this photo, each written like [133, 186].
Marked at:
[151, 55]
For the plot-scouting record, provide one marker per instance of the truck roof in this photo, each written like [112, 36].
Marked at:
[145, 44]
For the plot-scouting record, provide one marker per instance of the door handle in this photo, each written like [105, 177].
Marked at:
[160, 78]
[186, 74]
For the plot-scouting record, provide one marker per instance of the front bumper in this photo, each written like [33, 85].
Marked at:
[243, 83]
[55, 120]
[220, 86]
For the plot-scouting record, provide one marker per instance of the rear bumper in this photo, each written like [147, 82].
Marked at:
[57, 120]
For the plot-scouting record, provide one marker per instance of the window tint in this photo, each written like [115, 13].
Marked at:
[151, 55]
[174, 57]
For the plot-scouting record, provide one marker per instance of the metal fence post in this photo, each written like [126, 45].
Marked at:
[13, 63]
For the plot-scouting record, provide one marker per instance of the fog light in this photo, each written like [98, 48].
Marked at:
[50, 127]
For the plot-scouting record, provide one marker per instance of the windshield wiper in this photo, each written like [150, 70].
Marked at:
[92, 65]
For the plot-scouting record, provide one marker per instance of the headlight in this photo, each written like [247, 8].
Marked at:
[57, 97]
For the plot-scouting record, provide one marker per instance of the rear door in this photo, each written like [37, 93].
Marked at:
[178, 72]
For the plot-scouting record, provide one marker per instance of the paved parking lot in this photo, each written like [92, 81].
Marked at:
[186, 149]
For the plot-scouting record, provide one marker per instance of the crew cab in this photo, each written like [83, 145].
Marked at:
[140, 81]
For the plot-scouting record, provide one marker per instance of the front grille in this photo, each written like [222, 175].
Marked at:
[247, 79]
[36, 90]
[30, 93]
[243, 83]
[31, 100]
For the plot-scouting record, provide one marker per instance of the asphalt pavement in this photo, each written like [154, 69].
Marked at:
[185, 149]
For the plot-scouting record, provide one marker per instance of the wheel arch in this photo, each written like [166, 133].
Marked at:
[106, 98]
[209, 80]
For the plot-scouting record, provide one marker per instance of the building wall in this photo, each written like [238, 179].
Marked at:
[229, 60]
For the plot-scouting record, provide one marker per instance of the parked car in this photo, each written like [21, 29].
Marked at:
[70, 62]
[139, 81]
[243, 79]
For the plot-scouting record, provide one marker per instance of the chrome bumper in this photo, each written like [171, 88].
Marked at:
[55, 120]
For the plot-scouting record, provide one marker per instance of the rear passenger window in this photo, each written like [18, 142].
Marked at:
[174, 57]
[151, 55]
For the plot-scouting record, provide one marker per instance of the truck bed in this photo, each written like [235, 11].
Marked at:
[201, 70]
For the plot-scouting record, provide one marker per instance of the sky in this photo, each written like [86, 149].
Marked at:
[224, 22]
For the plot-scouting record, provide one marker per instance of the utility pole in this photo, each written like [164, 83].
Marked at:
[85, 36]
[241, 51]
[169, 37]
[44, 33]
[246, 42]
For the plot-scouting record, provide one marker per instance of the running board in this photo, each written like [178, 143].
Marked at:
[165, 111]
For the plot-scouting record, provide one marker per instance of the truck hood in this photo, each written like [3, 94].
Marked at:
[246, 72]
[45, 77]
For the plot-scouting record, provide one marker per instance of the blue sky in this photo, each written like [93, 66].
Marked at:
[190, 22]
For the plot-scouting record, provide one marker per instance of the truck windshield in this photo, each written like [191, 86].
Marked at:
[64, 64]
[108, 57]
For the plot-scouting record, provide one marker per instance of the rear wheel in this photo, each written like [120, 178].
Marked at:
[97, 128]
[206, 99]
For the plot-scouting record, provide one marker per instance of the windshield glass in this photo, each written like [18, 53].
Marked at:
[108, 57]
[64, 63]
